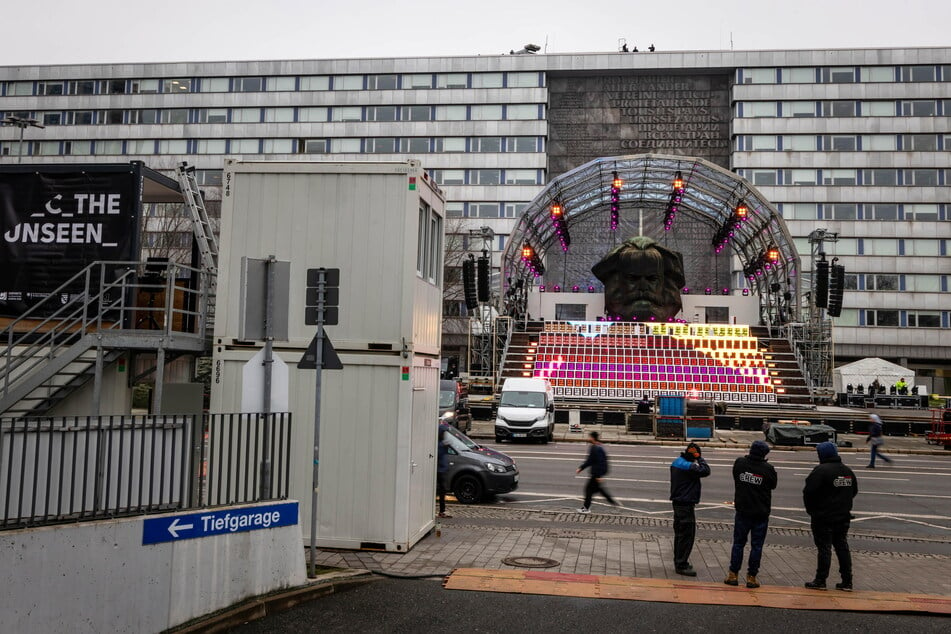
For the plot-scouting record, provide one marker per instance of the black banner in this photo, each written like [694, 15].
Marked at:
[53, 223]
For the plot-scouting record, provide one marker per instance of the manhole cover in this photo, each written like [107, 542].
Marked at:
[530, 562]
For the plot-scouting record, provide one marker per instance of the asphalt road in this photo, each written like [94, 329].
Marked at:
[910, 498]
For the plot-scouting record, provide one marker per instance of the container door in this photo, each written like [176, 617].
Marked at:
[423, 445]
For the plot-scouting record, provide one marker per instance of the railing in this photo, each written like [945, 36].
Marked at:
[71, 469]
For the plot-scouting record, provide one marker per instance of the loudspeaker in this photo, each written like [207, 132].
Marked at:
[821, 288]
[483, 278]
[836, 288]
[469, 284]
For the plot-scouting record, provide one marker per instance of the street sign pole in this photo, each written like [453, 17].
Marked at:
[318, 354]
[268, 366]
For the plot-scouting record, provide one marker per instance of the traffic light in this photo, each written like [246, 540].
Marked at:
[482, 269]
[820, 289]
[836, 288]
[469, 283]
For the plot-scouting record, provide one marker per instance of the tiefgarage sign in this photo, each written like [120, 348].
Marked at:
[176, 528]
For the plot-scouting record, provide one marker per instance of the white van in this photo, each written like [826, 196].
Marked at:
[526, 410]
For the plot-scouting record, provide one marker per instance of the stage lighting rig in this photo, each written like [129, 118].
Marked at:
[673, 204]
[616, 183]
[531, 260]
[767, 259]
[726, 231]
[557, 213]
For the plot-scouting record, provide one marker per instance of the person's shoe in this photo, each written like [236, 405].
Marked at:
[869, 466]
[731, 579]
[816, 584]
[751, 581]
[584, 510]
[445, 516]
[845, 586]
[687, 572]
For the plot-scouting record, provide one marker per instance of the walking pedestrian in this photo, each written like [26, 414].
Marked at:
[753, 482]
[828, 496]
[598, 462]
[876, 439]
[685, 474]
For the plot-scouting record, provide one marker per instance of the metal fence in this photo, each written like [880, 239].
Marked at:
[67, 469]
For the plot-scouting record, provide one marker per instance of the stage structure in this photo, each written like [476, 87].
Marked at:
[733, 241]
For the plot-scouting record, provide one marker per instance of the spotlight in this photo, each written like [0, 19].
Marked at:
[590, 289]
[541, 288]
[726, 231]
[556, 288]
[746, 292]
[531, 260]
[673, 203]
[708, 291]
[557, 213]
[616, 183]
[724, 291]
[575, 288]
[685, 290]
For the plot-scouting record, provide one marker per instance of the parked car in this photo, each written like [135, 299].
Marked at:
[476, 472]
[454, 405]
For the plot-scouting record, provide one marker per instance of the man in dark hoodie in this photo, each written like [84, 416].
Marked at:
[685, 474]
[753, 482]
[598, 461]
[828, 496]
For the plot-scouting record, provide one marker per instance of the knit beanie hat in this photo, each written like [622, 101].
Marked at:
[875, 418]
[826, 450]
[692, 452]
[759, 449]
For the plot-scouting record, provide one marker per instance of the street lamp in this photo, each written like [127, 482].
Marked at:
[23, 123]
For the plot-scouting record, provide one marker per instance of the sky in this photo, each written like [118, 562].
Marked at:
[111, 31]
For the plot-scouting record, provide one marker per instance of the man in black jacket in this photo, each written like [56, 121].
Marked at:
[828, 496]
[598, 461]
[685, 474]
[753, 482]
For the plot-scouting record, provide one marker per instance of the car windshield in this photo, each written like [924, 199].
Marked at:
[446, 399]
[457, 440]
[522, 399]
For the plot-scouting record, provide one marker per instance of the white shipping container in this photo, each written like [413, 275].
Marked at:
[381, 224]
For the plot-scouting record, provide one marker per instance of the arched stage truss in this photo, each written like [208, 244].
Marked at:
[759, 253]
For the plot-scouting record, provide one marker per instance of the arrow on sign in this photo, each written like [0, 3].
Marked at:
[174, 527]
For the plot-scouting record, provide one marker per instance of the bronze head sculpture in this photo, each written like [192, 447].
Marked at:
[642, 280]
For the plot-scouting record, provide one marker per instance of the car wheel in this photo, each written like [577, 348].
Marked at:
[467, 489]
[551, 434]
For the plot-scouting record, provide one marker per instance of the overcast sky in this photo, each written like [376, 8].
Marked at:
[73, 31]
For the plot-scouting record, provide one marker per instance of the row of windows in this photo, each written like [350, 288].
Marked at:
[479, 112]
[895, 282]
[925, 177]
[372, 145]
[429, 244]
[903, 318]
[485, 209]
[809, 109]
[488, 177]
[410, 81]
[844, 74]
[864, 211]
[843, 142]
[881, 247]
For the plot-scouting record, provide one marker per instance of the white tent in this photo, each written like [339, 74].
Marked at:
[865, 371]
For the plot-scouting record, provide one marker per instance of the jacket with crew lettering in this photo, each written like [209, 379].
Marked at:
[753, 482]
[685, 479]
[829, 490]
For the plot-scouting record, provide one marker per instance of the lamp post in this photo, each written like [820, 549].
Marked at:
[23, 123]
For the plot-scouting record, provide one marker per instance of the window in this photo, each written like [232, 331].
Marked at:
[347, 113]
[839, 143]
[279, 146]
[82, 87]
[386, 145]
[281, 84]
[483, 210]
[800, 143]
[245, 115]
[880, 178]
[307, 115]
[840, 211]
[19, 88]
[140, 146]
[919, 142]
[755, 109]
[837, 75]
[921, 178]
[279, 115]
[215, 84]
[213, 115]
[77, 148]
[759, 75]
[104, 148]
[244, 146]
[762, 143]
[838, 177]
[57, 88]
[799, 108]
[521, 177]
[923, 283]
[880, 143]
[176, 85]
[881, 211]
[486, 144]
[487, 80]
[382, 82]
[923, 247]
[880, 246]
[927, 108]
[799, 211]
[248, 84]
[113, 117]
[514, 210]
[80, 117]
[312, 146]
[522, 80]
[878, 108]
[455, 210]
[51, 118]
[452, 80]
[762, 177]
[177, 115]
[882, 317]
[882, 282]
[851, 282]
[416, 113]
[210, 146]
[521, 144]
[873, 74]
[921, 212]
[315, 82]
[486, 113]
[209, 178]
[522, 111]
[417, 81]
[449, 177]
[345, 146]
[450, 113]
[173, 146]
[144, 116]
[451, 144]
[923, 319]
[415, 145]
[798, 75]
[348, 82]
[485, 177]
[917, 73]
[800, 177]
[838, 108]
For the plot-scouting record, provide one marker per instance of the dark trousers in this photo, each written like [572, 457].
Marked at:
[877, 451]
[441, 491]
[593, 487]
[685, 529]
[829, 534]
[755, 528]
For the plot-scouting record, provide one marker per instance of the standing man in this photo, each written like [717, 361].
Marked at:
[876, 440]
[598, 461]
[685, 474]
[828, 496]
[753, 482]
[442, 470]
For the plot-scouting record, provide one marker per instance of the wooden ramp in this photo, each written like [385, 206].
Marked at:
[694, 592]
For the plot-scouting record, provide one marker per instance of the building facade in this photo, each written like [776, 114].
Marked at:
[852, 143]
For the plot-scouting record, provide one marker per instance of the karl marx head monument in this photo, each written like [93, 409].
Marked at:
[642, 279]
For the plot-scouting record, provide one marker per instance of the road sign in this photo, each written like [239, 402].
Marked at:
[322, 284]
[176, 528]
[329, 358]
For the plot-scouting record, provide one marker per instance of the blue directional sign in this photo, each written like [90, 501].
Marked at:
[175, 528]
